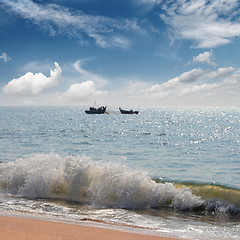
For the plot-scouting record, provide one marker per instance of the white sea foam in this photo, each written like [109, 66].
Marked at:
[83, 180]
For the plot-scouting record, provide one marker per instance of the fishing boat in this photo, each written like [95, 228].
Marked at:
[128, 111]
[94, 110]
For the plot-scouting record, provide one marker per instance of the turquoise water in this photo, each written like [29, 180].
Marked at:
[174, 171]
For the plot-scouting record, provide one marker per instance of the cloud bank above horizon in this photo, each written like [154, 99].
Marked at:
[205, 84]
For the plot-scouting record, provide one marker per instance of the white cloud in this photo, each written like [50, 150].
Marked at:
[206, 57]
[232, 81]
[120, 41]
[198, 89]
[209, 23]
[163, 87]
[148, 4]
[60, 20]
[230, 84]
[186, 77]
[220, 72]
[192, 76]
[5, 57]
[89, 86]
[32, 84]
[198, 86]
[114, 41]
[82, 90]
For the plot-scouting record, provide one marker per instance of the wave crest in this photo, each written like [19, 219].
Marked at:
[82, 180]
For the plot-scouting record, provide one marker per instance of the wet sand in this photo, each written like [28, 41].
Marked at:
[12, 228]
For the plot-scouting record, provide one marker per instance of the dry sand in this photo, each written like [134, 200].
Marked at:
[13, 228]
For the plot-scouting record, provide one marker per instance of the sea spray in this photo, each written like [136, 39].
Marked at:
[101, 184]
[82, 180]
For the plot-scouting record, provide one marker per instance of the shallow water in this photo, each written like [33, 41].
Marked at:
[175, 171]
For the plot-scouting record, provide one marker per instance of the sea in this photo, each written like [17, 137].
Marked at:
[168, 171]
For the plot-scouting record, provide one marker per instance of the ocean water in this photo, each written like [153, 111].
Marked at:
[173, 171]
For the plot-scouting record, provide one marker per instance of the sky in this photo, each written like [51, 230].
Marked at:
[120, 53]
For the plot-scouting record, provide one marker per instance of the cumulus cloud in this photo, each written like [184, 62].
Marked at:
[198, 89]
[192, 76]
[32, 84]
[60, 20]
[88, 85]
[228, 85]
[5, 57]
[82, 90]
[197, 86]
[209, 23]
[186, 77]
[220, 72]
[206, 57]
[232, 81]
[156, 88]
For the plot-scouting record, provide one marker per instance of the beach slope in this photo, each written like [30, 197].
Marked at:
[13, 228]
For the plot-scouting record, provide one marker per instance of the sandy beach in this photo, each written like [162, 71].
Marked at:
[12, 228]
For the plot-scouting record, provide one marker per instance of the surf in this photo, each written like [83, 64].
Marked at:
[102, 184]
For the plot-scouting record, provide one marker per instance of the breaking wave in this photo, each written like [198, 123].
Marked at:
[82, 180]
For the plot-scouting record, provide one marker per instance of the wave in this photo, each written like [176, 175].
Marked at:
[213, 191]
[80, 179]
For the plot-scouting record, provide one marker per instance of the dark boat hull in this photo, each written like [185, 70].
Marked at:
[128, 111]
[93, 110]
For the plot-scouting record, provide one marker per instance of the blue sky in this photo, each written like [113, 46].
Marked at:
[128, 53]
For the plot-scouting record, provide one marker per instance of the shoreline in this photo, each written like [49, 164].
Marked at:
[30, 228]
